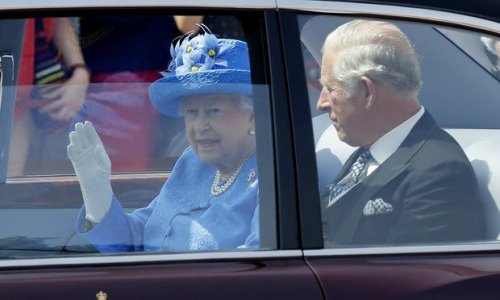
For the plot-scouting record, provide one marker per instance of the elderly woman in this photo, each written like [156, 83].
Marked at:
[210, 200]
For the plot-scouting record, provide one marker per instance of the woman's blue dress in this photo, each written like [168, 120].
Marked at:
[185, 215]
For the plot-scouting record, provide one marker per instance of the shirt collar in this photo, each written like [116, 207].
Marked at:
[389, 142]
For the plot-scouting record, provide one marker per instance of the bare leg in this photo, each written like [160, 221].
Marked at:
[22, 132]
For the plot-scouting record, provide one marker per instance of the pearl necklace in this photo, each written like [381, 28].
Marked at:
[217, 188]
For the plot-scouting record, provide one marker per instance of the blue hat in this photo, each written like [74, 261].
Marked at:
[203, 64]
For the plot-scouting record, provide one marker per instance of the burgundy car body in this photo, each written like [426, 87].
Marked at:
[294, 265]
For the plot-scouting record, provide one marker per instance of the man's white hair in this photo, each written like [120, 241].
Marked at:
[377, 50]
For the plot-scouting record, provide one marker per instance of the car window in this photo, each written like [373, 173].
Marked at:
[88, 118]
[407, 199]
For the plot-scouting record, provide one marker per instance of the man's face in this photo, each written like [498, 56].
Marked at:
[348, 114]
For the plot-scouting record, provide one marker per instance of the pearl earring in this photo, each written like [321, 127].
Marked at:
[251, 131]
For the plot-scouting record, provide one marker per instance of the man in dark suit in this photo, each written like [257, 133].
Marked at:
[409, 182]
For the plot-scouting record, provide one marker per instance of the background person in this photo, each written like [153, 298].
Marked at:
[43, 109]
[409, 181]
[210, 201]
[122, 70]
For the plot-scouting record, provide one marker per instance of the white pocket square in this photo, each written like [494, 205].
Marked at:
[376, 207]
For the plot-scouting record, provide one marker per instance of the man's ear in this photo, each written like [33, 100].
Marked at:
[369, 90]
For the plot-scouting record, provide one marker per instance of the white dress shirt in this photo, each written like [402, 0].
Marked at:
[385, 146]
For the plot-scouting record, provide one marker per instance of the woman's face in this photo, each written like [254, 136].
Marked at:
[218, 130]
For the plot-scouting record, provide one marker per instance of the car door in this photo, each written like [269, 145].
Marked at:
[460, 89]
[42, 255]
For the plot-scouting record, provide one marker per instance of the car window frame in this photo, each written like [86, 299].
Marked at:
[308, 169]
[291, 251]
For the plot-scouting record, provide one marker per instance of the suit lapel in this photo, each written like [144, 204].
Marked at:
[398, 162]
[357, 197]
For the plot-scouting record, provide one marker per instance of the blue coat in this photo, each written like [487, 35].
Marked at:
[185, 215]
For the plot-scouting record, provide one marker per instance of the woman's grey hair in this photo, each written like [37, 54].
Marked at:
[377, 50]
[246, 103]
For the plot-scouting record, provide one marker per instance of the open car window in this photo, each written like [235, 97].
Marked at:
[460, 90]
[40, 195]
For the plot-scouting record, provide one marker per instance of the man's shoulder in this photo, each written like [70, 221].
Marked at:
[442, 143]
[435, 141]
[440, 151]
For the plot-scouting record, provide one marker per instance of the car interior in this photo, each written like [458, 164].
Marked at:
[463, 107]
[466, 110]
[42, 204]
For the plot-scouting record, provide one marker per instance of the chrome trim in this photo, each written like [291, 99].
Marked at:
[431, 249]
[48, 4]
[389, 10]
[127, 258]
[300, 5]
[72, 177]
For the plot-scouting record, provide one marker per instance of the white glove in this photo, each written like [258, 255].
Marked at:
[93, 169]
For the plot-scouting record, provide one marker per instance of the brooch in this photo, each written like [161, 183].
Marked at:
[251, 176]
